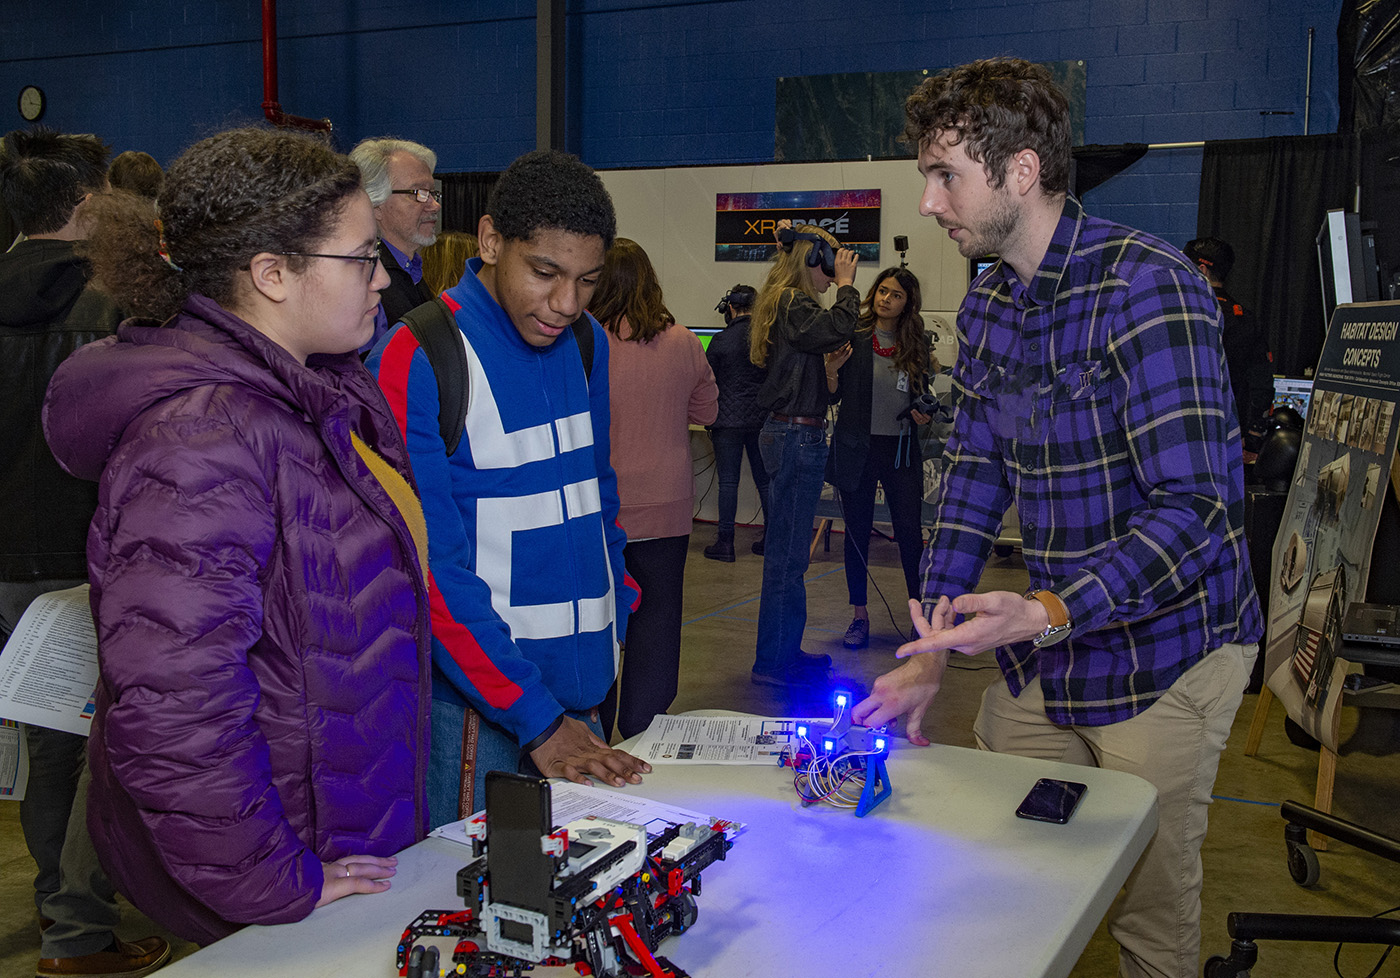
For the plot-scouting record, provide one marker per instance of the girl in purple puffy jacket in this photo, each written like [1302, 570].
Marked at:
[261, 736]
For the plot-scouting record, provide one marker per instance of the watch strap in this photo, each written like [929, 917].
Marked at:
[1054, 607]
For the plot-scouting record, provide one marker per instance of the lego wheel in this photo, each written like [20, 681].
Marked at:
[1302, 864]
[686, 912]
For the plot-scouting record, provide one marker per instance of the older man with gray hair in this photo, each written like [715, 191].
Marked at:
[398, 176]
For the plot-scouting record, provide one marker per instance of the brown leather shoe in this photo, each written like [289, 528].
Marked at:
[121, 959]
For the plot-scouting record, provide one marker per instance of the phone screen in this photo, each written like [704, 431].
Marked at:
[1051, 800]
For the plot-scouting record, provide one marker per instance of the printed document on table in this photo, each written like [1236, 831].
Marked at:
[715, 739]
[48, 668]
[569, 801]
[14, 761]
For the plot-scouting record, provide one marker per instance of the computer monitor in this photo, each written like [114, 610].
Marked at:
[1346, 261]
[706, 333]
[1293, 392]
[976, 266]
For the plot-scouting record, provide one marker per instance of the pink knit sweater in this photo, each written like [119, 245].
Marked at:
[658, 389]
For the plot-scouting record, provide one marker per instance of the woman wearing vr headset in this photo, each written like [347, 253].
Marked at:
[874, 438]
[790, 334]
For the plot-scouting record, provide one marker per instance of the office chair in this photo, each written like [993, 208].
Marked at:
[1247, 929]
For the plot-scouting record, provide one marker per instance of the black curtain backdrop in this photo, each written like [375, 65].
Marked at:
[1095, 164]
[1368, 54]
[1267, 198]
[464, 199]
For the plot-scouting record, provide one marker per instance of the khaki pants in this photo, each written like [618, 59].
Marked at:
[1175, 744]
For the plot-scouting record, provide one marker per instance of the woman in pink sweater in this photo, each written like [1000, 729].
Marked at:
[660, 384]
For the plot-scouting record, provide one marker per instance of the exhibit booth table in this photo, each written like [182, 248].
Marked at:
[940, 879]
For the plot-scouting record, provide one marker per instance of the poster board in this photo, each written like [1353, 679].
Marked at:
[1322, 554]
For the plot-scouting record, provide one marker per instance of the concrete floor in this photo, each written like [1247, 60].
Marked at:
[1244, 852]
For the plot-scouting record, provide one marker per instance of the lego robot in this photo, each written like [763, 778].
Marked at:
[594, 893]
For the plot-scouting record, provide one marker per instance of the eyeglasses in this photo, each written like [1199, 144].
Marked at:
[371, 262]
[422, 196]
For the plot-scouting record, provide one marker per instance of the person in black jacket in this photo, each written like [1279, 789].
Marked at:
[874, 440]
[48, 310]
[398, 176]
[1246, 342]
[736, 429]
[790, 334]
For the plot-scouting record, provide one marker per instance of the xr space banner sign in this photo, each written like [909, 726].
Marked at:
[744, 223]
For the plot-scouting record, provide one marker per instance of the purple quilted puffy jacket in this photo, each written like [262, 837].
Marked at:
[262, 619]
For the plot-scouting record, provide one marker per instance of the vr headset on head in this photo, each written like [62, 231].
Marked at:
[739, 291]
[822, 254]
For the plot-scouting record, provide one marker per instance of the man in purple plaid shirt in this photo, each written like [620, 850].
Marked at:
[1094, 395]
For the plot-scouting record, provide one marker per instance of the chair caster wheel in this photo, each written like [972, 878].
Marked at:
[1302, 864]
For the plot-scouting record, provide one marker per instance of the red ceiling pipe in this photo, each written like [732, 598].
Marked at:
[271, 107]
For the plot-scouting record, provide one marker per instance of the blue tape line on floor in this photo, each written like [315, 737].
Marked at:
[740, 604]
[1246, 801]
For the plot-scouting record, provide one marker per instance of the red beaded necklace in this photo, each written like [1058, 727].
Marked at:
[884, 351]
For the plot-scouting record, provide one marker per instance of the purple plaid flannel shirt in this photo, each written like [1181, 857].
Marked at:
[1097, 400]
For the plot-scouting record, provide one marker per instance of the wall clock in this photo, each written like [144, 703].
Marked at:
[31, 102]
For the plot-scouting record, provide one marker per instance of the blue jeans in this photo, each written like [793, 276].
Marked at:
[496, 750]
[795, 455]
[730, 445]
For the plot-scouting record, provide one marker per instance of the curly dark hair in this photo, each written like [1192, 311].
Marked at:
[44, 174]
[996, 108]
[548, 188]
[227, 198]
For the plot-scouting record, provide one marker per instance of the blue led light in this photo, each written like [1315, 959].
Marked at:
[802, 730]
[842, 697]
[879, 743]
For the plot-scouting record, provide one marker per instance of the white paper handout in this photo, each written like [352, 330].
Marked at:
[715, 739]
[48, 668]
[14, 761]
[569, 801]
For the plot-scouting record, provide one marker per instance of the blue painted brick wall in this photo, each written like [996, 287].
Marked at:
[667, 82]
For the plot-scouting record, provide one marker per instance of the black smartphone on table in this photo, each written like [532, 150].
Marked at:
[1051, 800]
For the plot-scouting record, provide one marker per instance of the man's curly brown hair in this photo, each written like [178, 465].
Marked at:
[996, 108]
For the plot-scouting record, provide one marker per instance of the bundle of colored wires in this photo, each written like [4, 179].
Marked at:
[836, 779]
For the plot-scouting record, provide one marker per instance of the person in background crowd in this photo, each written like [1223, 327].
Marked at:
[398, 175]
[1246, 341]
[445, 260]
[136, 173]
[48, 309]
[739, 420]
[530, 593]
[789, 334]
[260, 743]
[660, 384]
[874, 439]
[1094, 397]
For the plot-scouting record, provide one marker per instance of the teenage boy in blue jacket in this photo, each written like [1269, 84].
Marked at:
[529, 594]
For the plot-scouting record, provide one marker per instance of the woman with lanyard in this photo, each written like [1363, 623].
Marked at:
[874, 440]
[790, 334]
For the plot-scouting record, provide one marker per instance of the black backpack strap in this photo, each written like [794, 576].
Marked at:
[434, 327]
[583, 336]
